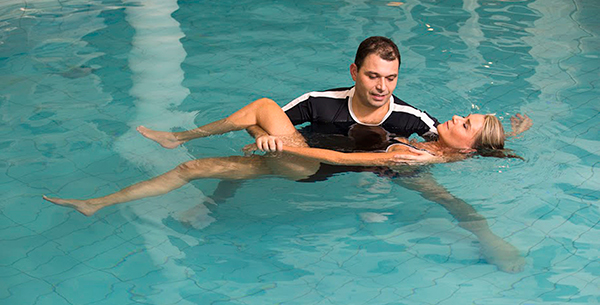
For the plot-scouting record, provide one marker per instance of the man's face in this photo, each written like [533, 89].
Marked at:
[375, 81]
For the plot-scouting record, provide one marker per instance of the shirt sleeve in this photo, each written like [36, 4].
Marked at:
[407, 120]
[300, 110]
[428, 133]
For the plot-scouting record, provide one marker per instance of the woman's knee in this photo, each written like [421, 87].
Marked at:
[187, 169]
[249, 114]
[264, 103]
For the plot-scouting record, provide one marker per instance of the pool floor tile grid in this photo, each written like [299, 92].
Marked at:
[309, 250]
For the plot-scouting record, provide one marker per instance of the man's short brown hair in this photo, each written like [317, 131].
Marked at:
[382, 46]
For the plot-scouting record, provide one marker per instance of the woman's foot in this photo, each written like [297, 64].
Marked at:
[502, 254]
[165, 139]
[82, 206]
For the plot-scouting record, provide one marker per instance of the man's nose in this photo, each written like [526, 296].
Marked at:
[381, 84]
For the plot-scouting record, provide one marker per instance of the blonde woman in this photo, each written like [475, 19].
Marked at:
[458, 138]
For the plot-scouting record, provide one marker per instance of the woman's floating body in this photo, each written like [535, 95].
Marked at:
[456, 137]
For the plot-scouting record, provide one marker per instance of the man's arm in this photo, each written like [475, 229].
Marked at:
[408, 156]
[495, 249]
[339, 158]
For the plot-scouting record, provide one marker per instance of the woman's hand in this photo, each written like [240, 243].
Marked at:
[519, 123]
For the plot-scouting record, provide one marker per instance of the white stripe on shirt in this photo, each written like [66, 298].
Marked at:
[330, 94]
[418, 113]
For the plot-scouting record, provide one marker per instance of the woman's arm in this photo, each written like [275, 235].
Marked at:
[496, 250]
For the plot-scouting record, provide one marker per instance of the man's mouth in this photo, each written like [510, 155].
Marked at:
[378, 97]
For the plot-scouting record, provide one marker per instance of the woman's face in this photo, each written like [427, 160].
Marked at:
[460, 132]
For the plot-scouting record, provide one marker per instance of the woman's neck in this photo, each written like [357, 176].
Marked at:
[439, 149]
[432, 146]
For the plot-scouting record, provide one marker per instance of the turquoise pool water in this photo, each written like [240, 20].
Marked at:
[79, 76]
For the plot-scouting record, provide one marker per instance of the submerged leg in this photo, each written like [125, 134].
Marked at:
[264, 113]
[194, 216]
[225, 190]
[220, 168]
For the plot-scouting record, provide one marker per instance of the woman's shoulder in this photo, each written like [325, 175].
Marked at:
[403, 144]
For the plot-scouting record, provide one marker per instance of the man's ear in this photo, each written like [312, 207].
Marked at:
[354, 71]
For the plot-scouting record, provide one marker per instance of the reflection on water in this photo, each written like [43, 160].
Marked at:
[76, 77]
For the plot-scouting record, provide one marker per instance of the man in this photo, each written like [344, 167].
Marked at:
[368, 103]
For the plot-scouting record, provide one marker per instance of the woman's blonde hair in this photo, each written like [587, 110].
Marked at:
[491, 136]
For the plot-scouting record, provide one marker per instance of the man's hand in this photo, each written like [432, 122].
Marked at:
[416, 157]
[265, 143]
[269, 143]
[519, 124]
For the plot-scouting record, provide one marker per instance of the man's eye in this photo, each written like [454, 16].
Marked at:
[391, 79]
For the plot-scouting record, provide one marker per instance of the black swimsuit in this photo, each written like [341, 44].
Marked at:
[395, 141]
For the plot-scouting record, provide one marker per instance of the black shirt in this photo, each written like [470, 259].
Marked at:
[332, 121]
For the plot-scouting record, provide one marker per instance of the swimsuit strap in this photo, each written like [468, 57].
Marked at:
[394, 142]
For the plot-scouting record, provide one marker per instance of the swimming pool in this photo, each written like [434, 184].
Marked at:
[78, 76]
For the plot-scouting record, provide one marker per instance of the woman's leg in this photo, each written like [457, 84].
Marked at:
[263, 112]
[232, 168]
